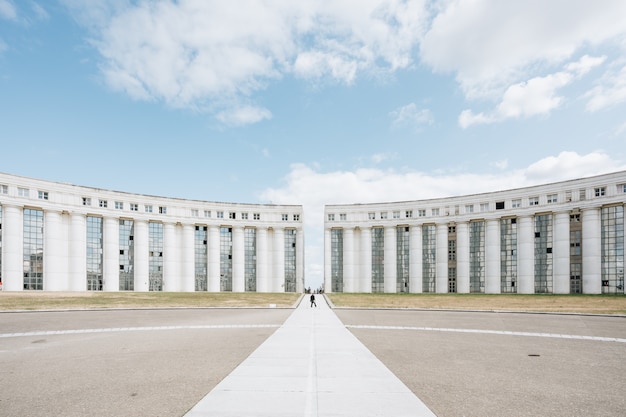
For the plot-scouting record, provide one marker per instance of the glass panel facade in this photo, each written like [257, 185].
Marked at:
[226, 259]
[94, 254]
[543, 254]
[155, 256]
[290, 260]
[33, 249]
[336, 259]
[508, 256]
[200, 258]
[429, 258]
[378, 259]
[127, 255]
[613, 250]
[250, 258]
[452, 243]
[575, 254]
[477, 256]
[402, 259]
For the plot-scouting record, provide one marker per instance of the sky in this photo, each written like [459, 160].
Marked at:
[312, 102]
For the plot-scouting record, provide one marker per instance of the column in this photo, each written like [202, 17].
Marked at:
[592, 251]
[365, 260]
[142, 261]
[415, 262]
[462, 258]
[188, 259]
[525, 255]
[13, 248]
[299, 261]
[55, 260]
[238, 260]
[390, 265]
[560, 254]
[279, 260]
[111, 254]
[348, 260]
[214, 259]
[77, 253]
[441, 281]
[170, 258]
[328, 276]
[492, 255]
[262, 279]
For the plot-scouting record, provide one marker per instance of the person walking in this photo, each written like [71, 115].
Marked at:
[313, 300]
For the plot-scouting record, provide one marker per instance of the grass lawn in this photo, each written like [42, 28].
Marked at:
[575, 303]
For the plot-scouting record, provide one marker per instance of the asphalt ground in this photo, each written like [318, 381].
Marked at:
[162, 362]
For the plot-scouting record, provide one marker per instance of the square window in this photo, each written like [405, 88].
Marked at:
[371, 216]
[162, 210]
[220, 214]
[285, 217]
[22, 192]
[383, 215]
[516, 203]
[256, 216]
[86, 201]
[232, 215]
[331, 217]
[207, 213]
[499, 205]
[552, 198]
[533, 201]
[134, 207]
[396, 214]
[409, 214]
[148, 208]
[4, 189]
[421, 213]
[343, 217]
[435, 212]
[469, 208]
[119, 205]
[244, 216]
[195, 213]
[42, 195]
[600, 191]
[103, 203]
[484, 206]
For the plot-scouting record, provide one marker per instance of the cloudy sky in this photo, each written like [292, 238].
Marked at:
[312, 102]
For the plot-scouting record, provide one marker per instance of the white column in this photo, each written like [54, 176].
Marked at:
[441, 280]
[462, 258]
[560, 253]
[492, 255]
[238, 260]
[111, 254]
[365, 260]
[525, 255]
[78, 253]
[170, 258]
[262, 279]
[415, 259]
[592, 253]
[13, 248]
[328, 278]
[390, 264]
[214, 259]
[142, 261]
[279, 260]
[348, 260]
[54, 258]
[299, 261]
[188, 259]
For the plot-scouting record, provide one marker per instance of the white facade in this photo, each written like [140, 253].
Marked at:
[559, 238]
[63, 237]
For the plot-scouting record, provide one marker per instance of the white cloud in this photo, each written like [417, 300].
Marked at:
[410, 115]
[243, 115]
[535, 97]
[610, 92]
[8, 10]
[308, 186]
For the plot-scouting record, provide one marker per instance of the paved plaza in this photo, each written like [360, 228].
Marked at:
[310, 362]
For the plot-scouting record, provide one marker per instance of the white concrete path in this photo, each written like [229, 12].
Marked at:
[312, 366]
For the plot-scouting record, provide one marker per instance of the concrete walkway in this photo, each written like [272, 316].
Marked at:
[311, 366]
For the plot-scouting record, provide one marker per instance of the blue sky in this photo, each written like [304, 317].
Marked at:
[312, 102]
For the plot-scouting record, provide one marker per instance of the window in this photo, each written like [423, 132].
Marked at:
[408, 214]
[42, 195]
[600, 191]
[103, 203]
[296, 217]
[552, 198]
[383, 214]
[162, 210]
[331, 217]
[207, 213]
[499, 205]
[621, 188]
[435, 212]
[516, 203]
[421, 213]
[285, 217]
[396, 214]
[134, 207]
[533, 201]
[119, 205]
[194, 213]
[22, 192]
[469, 208]
[256, 216]
[371, 216]
[86, 201]
[220, 214]
[343, 217]
[582, 194]
[244, 216]
[4, 189]
[148, 208]
[484, 206]
[232, 215]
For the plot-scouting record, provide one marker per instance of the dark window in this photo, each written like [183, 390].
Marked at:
[499, 205]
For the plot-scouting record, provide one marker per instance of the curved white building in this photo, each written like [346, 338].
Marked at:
[560, 238]
[63, 237]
